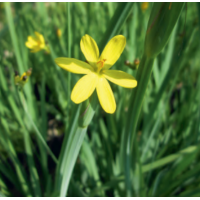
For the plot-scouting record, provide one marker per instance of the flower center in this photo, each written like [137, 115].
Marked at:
[100, 65]
[39, 43]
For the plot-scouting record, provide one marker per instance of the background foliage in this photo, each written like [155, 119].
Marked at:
[33, 125]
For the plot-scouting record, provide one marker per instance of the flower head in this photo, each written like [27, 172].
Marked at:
[36, 43]
[144, 5]
[97, 71]
[20, 81]
[59, 33]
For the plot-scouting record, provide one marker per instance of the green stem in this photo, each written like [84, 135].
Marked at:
[69, 153]
[36, 129]
[157, 36]
[13, 36]
[73, 150]
[69, 55]
[18, 167]
[137, 96]
[114, 27]
[69, 46]
[143, 75]
[35, 183]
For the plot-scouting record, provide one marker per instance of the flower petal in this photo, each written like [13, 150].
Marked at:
[113, 50]
[90, 49]
[29, 45]
[84, 88]
[32, 39]
[17, 80]
[73, 65]
[24, 74]
[120, 78]
[105, 95]
[40, 37]
[35, 49]
[31, 42]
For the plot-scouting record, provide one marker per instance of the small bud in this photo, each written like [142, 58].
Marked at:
[58, 32]
[136, 62]
[29, 71]
[161, 23]
[127, 62]
[144, 5]
[170, 5]
[179, 86]
[133, 65]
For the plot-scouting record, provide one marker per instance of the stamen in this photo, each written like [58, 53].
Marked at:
[102, 63]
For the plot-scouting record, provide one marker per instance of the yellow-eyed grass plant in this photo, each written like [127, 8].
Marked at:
[84, 115]
[148, 147]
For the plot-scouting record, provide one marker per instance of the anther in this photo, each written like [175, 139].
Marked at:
[127, 62]
[102, 63]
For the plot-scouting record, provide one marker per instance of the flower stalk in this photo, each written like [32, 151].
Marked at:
[161, 23]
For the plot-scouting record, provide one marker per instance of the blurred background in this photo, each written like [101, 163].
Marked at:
[168, 130]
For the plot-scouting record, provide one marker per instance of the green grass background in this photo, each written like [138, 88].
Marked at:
[166, 152]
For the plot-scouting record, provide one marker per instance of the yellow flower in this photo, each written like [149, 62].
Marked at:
[144, 5]
[1, 5]
[97, 71]
[58, 32]
[36, 43]
[23, 79]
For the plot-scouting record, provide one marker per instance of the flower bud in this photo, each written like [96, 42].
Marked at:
[136, 62]
[144, 5]
[29, 71]
[58, 32]
[163, 18]
[127, 62]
